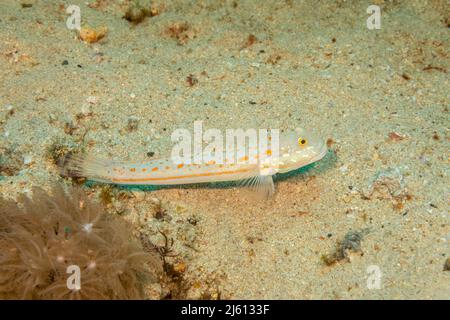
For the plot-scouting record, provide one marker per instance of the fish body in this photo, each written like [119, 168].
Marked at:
[296, 148]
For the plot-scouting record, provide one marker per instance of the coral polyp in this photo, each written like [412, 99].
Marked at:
[44, 237]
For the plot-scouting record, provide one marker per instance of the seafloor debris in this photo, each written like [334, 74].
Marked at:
[10, 162]
[181, 31]
[395, 136]
[273, 59]
[132, 123]
[27, 3]
[138, 10]
[191, 80]
[350, 243]
[251, 40]
[28, 159]
[330, 142]
[159, 212]
[447, 265]
[59, 149]
[43, 236]
[90, 35]
[436, 136]
[388, 184]
[14, 55]
[98, 4]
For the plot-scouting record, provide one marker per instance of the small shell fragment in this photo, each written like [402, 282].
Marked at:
[90, 35]
[394, 136]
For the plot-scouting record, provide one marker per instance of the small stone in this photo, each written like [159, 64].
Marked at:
[27, 3]
[180, 209]
[395, 136]
[27, 159]
[447, 265]
[179, 267]
[92, 100]
[133, 122]
[214, 295]
[343, 169]
[138, 11]
[346, 198]
[90, 35]
[65, 63]
[9, 108]
[375, 156]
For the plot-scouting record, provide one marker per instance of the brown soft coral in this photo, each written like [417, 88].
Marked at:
[41, 237]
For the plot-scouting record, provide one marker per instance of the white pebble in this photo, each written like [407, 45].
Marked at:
[92, 100]
[27, 159]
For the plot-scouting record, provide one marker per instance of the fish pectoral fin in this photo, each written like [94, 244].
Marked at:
[261, 185]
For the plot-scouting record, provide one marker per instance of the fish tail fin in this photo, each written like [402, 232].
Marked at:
[85, 166]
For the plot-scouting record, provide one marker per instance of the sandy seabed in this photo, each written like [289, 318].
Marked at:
[377, 204]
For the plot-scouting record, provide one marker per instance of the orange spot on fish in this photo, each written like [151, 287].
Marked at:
[144, 169]
[133, 169]
[180, 166]
[269, 152]
[155, 169]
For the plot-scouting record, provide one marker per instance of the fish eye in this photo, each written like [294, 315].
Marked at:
[302, 141]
